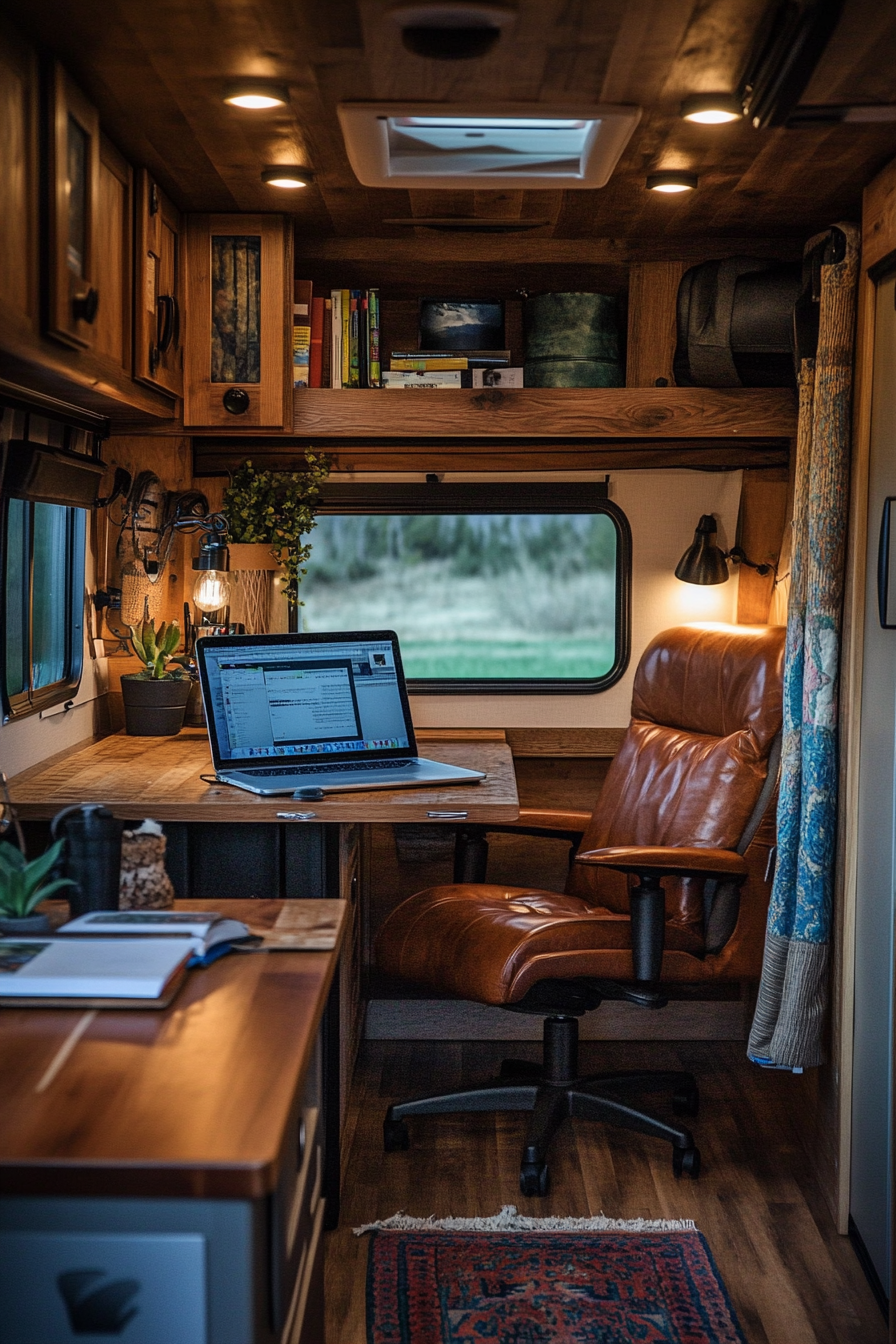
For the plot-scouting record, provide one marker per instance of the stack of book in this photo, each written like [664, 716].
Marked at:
[336, 340]
[429, 369]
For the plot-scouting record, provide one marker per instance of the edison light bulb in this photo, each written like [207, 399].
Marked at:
[211, 591]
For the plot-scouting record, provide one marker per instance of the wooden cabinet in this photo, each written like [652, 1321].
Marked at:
[113, 268]
[238, 361]
[158, 297]
[19, 232]
[351, 1009]
[73, 238]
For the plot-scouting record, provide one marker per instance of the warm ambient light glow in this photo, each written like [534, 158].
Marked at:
[711, 109]
[256, 94]
[211, 591]
[288, 177]
[671, 183]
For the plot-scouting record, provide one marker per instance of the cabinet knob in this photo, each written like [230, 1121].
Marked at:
[236, 401]
[84, 306]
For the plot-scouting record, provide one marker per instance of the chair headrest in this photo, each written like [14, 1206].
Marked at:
[714, 679]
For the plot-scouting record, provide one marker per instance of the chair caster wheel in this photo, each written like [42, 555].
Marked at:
[534, 1178]
[396, 1138]
[686, 1101]
[686, 1162]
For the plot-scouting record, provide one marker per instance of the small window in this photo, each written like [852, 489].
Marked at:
[489, 587]
[43, 604]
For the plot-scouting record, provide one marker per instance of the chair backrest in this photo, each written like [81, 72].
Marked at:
[706, 711]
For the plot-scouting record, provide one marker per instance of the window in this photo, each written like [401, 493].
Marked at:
[43, 585]
[489, 587]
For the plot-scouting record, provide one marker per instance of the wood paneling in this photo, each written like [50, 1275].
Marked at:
[18, 183]
[791, 1277]
[554, 742]
[217, 458]
[626, 413]
[161, 777]
[763, 518]
[652, 295]
[158, 87]
[189, 1102]
[270, 399]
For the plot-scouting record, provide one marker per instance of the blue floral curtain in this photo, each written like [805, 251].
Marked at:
[787, 1028]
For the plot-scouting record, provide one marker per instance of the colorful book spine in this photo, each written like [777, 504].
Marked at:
[315, 360]
[428, 365]
[373, 338]
[301, 333]
[363, 340]
[345, 363]
[354, 304]
[336, 355]
[441, 379]
[326, 363]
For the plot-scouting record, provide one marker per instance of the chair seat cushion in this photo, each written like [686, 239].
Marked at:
[491, 943]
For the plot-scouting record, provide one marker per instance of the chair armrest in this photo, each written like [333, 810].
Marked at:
[669, 861]
[553, 819]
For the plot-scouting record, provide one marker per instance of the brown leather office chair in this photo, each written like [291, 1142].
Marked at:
[670, 883]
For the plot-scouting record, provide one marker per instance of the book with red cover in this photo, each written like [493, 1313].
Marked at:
[317, 336]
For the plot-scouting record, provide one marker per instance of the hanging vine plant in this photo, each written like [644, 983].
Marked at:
[277, 508]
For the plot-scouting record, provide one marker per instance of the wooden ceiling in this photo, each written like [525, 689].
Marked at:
[156, 72]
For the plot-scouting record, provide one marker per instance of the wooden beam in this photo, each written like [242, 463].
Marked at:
[652, 301]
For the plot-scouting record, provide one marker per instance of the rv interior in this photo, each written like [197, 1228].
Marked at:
[186, 189]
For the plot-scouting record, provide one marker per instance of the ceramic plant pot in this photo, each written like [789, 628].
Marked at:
[23, 926]
[154, 708]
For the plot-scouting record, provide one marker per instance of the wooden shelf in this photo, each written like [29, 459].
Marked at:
[547, 413]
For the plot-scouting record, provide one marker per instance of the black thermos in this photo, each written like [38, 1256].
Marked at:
[92, 856]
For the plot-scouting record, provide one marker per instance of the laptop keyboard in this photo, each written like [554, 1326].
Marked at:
[334, 769]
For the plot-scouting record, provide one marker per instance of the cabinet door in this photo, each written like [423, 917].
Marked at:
[18, 184]
[158, 301]
[74, 166]
[114, 244]
[237, 359]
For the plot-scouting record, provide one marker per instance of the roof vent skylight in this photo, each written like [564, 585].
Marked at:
[532, 146]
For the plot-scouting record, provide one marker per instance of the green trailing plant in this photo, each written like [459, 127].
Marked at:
[155, 649]
[24, 885]
[277, 508]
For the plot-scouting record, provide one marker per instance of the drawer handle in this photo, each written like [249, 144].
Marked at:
[84, 306]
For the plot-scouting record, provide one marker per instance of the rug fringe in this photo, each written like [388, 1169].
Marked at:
[508, 1220]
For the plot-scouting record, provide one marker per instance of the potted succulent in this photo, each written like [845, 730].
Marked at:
[271, 512]
[156, 698]
[24, 885]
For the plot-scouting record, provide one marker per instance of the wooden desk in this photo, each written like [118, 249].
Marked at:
[183, 1122]
[160, 777]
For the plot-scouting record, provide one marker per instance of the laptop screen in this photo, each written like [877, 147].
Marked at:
[273, 698]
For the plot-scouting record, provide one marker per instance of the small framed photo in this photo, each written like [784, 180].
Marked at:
[457, 324]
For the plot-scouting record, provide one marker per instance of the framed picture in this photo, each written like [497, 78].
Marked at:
[458, 324]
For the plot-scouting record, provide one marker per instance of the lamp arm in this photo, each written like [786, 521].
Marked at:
[738, 557]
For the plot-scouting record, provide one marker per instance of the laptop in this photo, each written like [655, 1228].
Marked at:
[321, 713]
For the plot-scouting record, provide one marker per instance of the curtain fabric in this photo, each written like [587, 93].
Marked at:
[788, 1025]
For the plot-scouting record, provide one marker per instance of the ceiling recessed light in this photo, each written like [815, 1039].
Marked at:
[256, 94]
[287, 176]
[671, 182]
[712, 109]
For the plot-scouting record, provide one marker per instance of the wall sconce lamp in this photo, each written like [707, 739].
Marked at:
[211, 591]
[704, 562]
[671, 183]
[711, 109]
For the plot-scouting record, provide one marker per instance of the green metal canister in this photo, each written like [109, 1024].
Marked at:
[572, 340]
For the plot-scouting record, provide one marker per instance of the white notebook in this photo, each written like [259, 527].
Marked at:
[90, 968]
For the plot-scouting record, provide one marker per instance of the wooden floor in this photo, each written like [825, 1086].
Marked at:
[792, 1279]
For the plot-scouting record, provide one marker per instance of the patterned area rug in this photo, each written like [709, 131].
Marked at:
[512, 1280]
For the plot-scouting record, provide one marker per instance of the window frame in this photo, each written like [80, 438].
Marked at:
[496, 497]
[33, 700]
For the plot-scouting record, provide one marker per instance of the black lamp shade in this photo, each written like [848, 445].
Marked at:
[703, 561]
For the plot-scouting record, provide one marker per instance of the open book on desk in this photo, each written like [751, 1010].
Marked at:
[91, 972]
[204, 930]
